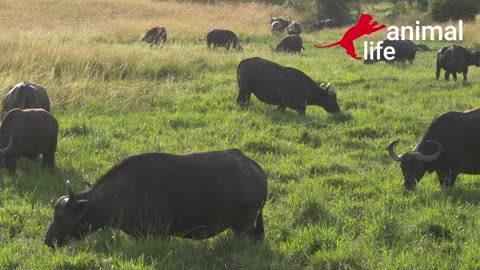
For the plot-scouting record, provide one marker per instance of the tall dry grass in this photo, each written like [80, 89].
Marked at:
[131, 17]
[77, 48]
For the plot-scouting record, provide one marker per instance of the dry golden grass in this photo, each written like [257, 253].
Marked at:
[75, 48]
[132, 17]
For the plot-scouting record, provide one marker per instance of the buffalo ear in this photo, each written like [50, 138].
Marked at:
[79, 208]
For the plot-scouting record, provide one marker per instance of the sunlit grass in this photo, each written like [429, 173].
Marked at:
[335, 197]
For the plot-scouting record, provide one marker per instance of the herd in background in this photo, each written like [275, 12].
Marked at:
[164, 194]
[453, 58]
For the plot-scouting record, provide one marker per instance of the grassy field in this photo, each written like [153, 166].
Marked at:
[335, 198]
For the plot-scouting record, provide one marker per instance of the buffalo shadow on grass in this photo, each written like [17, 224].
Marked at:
[38, 184]
[316, 120]
[459, 194]
[225, 250]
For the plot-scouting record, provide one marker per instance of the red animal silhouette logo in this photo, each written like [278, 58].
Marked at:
[363, 27]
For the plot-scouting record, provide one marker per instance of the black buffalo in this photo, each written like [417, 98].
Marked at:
[423, 48]
[282, 86]
[276, 27]
[284, 23]
[192, 196]
[290, 44]
[223, 38]
[294, 28]
[25, 95]
[455, 59]
[28, 133]
[156, 36]
[449, 147]
[404, 50]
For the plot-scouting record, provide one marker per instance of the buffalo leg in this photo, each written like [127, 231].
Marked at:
[48, 160]
[302, 108]
[259, 231]
[243, 99]
[301, 111]
[454, 74]
[11, 164]
[452, 179]
[281, 108]
[447, 75]
[443, 177]
[49, 156]
[447, 178]
[439, 68]
[244, 225]
[465, 72]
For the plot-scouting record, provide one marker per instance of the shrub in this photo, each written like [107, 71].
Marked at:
[444, 10]
[336, 9]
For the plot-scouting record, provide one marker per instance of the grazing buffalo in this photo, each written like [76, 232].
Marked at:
[294, 28]
[28, 133]
[290, 44]
[404, 50]
[282, 22]
[192, 196]
[156, 36]
[223, 38]
[25, 95]
[282, 86]
[423, 48]
[449, 147]
[276, 28]
[455, 59]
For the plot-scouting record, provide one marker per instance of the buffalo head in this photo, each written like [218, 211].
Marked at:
[475, 59]
[68, 219]
[413, 164]
[326, 98]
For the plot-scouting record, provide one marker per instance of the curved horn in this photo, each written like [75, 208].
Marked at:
[391, 151]
[70, 189]
[433, 157]
[5, 151]
[325, 87]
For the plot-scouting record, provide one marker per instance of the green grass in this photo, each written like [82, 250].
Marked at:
[335, 196]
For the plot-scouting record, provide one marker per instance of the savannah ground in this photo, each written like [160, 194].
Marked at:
[335, 196]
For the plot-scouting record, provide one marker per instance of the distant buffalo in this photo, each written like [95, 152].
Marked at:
[423, 48]
[294, 28]
[290, 44]
[282, 23]
[193, 196]
[404, 50]
[156, 36]
[28, 133]
[223, 38]
[25, 95]
[276, 27]
[282, 86]
[455, 59]
[449, 147]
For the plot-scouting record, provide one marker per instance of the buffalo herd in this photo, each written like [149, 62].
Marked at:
[199, 195]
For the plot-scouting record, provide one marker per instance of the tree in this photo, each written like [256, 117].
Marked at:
[444, 10]
[336, 9]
